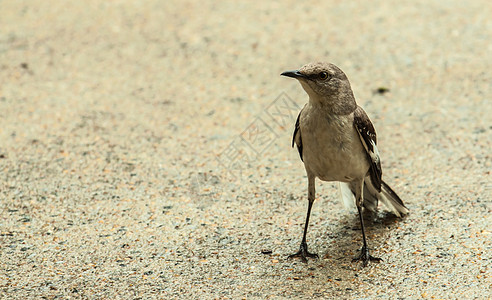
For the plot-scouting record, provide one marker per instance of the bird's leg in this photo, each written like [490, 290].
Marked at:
[364, 252]
[303, 252]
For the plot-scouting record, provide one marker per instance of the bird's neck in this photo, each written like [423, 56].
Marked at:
[340, 104]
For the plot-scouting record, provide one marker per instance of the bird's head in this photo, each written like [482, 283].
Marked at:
[324, 83]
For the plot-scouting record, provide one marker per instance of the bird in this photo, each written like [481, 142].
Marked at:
[337, 141]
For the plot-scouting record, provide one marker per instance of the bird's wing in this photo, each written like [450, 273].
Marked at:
[367, 135]
[296, 138]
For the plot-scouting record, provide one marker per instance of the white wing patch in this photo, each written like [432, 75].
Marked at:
[375, 153]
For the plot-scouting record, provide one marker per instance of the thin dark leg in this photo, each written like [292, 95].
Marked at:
[364, 253]
[303, 252]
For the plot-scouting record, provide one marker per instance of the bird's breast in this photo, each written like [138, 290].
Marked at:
[332, 149]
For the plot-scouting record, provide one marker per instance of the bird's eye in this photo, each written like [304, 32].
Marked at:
[323, 75]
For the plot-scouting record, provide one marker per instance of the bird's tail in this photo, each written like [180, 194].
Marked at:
[372, 197]
[391, 200]
[387, 196]
[347, 195]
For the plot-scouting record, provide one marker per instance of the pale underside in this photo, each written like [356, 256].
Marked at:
[332, 149]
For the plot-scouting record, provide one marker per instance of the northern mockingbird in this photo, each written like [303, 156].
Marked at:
[337, 142]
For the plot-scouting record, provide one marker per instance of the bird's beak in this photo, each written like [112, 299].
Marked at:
[294, 74]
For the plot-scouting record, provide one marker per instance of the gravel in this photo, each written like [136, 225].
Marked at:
[145, 149]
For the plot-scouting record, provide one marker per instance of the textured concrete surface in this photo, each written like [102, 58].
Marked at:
[120, 120]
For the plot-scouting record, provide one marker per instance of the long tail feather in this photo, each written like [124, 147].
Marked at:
[391, 200]
[347, 195]
[372, 197]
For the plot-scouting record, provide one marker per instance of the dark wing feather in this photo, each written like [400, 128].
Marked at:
[367, 134]
[297, 131]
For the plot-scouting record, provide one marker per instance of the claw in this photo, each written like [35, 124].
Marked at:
[303, 253]
[365, 257]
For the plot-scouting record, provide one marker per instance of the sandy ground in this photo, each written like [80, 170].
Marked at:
[145, 149]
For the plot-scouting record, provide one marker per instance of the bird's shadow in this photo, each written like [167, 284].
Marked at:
[346, 238]
[339, 241]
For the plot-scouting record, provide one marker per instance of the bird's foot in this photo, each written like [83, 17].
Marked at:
[303, 253]
[365, 257]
